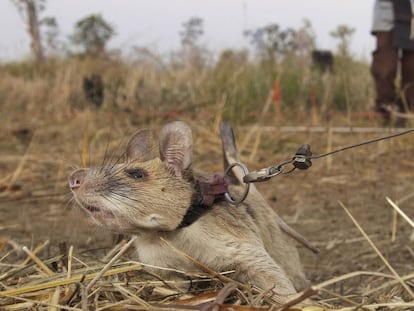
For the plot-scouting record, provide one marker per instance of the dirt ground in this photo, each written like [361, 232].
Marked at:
[37, 157]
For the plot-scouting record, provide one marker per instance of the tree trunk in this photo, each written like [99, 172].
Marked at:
[34, 31]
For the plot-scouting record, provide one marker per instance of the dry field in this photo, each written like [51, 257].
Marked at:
[36, 212]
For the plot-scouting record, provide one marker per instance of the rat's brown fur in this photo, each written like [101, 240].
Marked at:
[148, 196]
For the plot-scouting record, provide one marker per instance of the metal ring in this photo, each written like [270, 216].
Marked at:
[246, 188]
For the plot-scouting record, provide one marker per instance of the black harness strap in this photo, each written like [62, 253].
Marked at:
[210, 192]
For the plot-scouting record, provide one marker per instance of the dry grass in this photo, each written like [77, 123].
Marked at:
[114, 283]
[233, 87]
[47, 129]
[68, 280]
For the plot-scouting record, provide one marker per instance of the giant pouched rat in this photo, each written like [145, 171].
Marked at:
[160, 198]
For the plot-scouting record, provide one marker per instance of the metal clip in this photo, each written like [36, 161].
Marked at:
[229, 198]
[262, 174]
[302, 158]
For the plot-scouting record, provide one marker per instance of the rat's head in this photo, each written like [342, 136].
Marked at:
[147, 191]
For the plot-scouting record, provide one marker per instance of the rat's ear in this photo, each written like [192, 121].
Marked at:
[140, 146]
[176, 143]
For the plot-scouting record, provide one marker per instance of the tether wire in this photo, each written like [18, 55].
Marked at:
[361, 144]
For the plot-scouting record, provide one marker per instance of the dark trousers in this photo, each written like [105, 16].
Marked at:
[384, 69]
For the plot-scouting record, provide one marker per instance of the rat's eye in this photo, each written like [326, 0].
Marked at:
[135, 173]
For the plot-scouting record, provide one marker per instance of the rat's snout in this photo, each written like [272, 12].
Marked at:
[77, 178]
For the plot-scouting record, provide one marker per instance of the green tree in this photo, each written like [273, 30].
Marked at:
[303, 39]
[192, 31]
[344, 34]
[50, 34]
[271, 41]
[92, 33]
[43, 31]
[192, 51]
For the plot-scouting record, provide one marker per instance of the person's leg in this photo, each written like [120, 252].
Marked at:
[384, 70]
[407, 80]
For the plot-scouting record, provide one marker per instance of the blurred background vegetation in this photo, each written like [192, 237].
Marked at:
[277, 80]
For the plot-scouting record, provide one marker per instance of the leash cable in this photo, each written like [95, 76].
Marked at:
[301, 160]
[363, 143]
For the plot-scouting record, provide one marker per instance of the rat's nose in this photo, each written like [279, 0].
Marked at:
[77, 178]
